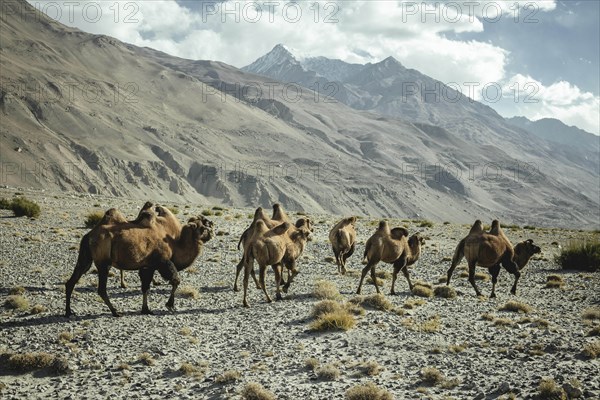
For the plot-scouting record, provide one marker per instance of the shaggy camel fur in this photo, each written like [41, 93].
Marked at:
[393, 247]
[278, 246]
[143, 246]
[343, 241]
[168, 221]
[279, 216]
[490, 250]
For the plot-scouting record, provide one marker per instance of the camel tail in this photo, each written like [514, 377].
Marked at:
[84, 259]
[367, 248]
[458, 253]
[242, 238]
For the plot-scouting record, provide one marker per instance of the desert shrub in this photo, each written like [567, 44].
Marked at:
[146, 358]
[22, 206]
[379, 281]
[336, 320]
[581, 255]
[311, 363]
[16, 302]
[324, 307]
[367, 392]
[229, 376]
[595, 331]
[174, 210]
[326, 290]
[328, 372]
[432, 376]
[208, 213]
[375, 301]
[413, 303]
[5, 204]
[92, 219]
[549, 389]
[516, 306]
[65, 336]
[17, 290]
[37, 309]
[30, 361]
[445, 291]
[255, 391]
[554, 281]
[371, 368]
[425, 224]
[188, 292]
[430, 325]
[592, 349]
[503, 321]
[422, 291]
[591, 313]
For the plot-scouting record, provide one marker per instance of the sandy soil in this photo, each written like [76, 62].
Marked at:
[269, 343]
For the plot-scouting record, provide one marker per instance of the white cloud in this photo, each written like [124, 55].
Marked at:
[523, 95]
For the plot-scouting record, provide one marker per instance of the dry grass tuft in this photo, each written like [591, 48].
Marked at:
[554, 281]
[65, 337]
[188, 292]
[255, 391]
[311, 363]
[337, 320]
[516, 306]
[92, 219]
[326, 290]
[146, 358]
[367, 392]
[592, 349]
[488, 316]
[328, 372]
[16, 302]
[375, 301]
[324, 307]
[413, 303]
[503, 321]
[185, 331]
[549, 389]
[595, 331]
[457, 348]
[371, 368]
[447, 292]
[432, 376]
[422, 291]
[29, 361]
[38, 309]
[196, 371]
[591, 313]
[17, 290]
[430, 325]
[380, 282]
[229, 376]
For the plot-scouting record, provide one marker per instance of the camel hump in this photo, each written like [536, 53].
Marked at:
[495, 230]
[399, 233]
[259, 214]
[146, 219]
[112, 216]
[147, 205]
[281, 228]
[383, 227]
[477, 227]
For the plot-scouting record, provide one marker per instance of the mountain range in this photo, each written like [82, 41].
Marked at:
[89, 113]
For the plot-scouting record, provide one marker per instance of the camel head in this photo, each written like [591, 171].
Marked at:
[350, 221]
[415, 241]
[201, 219]
[304, 223]
[200, 233]
[147, 219]
[147, 205]
[163, 211]
[524, 251]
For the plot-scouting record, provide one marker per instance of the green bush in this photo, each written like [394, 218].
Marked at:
[5, 204]
[21, 206]
[580, 255]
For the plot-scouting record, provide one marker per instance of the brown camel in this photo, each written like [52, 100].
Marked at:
[143, 246]
[491, 250]
[279, 216]
[343, 241]
[392, 247]
[278, 246]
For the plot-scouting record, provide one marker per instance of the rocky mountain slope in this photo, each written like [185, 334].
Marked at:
[92, 114]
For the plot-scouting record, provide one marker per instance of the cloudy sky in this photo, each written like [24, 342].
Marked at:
[534, 58]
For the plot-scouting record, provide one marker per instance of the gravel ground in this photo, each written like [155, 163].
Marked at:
[139, 356]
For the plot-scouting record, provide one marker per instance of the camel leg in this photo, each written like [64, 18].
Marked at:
[494, 271]
[256, 282]
[345, 257]
[123, 284]
[262, 271]
[472, 278]
[277, 269]
[374, 279]
[364, 273]
[290, 266]
[102, 280]
[513, 268]
[338, 261]
[146, 275]
[247, 267]
[84, 263]
[400, 265]
[169, 272]
[407, 276]
[238, 269]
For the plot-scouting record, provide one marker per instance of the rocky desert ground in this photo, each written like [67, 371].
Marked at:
[420, 347]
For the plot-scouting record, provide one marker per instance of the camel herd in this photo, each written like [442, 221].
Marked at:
[157, 241]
